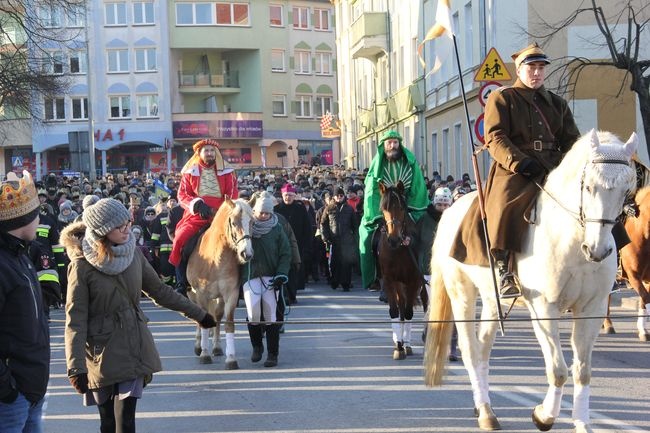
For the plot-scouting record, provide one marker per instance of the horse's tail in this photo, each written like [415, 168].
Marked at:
[439, 329]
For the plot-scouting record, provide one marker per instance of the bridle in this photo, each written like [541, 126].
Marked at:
[580, 215]
[234, 238]
[394, 221]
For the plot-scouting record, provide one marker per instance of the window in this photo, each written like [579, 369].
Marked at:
[118, 60]
[143, 12]
[193, 14]
[323, 105]
[79, 108]
[232, 14]
[115, 14]
[50, 16]
[120, 107]
[300, 18]
[469, 47]
[54, 109]
[53, 65]
[276, 15]
[321, 19]
[277, 61]
[145, 59]
[78, 64]
[303, 62]
[147, 105]
[323, 64]
[303, 106]
[76, 14]
[279, 105]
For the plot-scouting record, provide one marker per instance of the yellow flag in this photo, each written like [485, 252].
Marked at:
[442, 26]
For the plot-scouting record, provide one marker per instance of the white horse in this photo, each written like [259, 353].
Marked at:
[568, 262]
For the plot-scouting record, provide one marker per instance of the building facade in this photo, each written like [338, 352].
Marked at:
[149, 78]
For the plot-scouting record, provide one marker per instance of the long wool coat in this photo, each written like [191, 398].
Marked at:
[512, 125]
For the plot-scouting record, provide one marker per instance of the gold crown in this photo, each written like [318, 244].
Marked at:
[18, 196]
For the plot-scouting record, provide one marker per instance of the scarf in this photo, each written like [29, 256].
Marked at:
[260, 228]
[123, 254]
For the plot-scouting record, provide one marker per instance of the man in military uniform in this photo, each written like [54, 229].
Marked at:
[393, 162]
[527, 132]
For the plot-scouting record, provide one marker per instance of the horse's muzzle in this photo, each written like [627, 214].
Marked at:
[245, 257]
[591, 257]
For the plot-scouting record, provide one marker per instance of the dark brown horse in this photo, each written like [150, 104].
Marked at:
[635, 261]
[401, 278]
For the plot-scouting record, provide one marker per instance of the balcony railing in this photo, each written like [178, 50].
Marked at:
[198, 80]
[368, 35]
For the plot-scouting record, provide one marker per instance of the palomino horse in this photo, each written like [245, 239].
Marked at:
[635, 260]
[213, 273]
[401, 278]
[566, 264]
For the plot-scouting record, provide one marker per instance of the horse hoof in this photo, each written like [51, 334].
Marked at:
[644, 336]
[487, 420]
[217, 351]
[197, 351]
[408, 350]
[398, 355]
[232, 365]
[537, 419]
[205, 359]
[582, 428]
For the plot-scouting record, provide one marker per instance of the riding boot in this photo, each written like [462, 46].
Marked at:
[181, 278]
[272, 344]
[508, 287]
[255, 333]
[621, 237]
[453, 349]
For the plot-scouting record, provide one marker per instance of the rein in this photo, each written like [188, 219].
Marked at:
[580, 215]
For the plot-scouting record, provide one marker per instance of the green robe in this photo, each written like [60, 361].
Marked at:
[408, 171]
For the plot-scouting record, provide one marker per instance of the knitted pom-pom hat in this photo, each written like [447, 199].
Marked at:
[105, 215]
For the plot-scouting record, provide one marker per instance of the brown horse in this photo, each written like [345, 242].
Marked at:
[401, 278]
[635, 261]
[213, 273]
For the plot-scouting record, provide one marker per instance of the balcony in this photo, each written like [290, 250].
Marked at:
[369, 36]
[189, 82]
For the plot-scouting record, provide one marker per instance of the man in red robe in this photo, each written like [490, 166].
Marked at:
[205, 183]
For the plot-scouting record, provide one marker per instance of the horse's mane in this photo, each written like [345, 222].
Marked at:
[581, 153]
[642, 194]
[386, 200]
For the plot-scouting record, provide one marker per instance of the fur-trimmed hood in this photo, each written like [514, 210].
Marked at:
[71, 238]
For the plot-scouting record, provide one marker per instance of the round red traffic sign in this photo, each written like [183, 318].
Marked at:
[485, 91]
[479, 128]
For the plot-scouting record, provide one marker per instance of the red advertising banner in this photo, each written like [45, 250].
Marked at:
[237, 156]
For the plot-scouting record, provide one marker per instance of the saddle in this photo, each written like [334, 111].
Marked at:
[190, 245]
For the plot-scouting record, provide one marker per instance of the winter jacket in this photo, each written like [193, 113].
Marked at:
[106, 333]
[271, 255]
[24, 333]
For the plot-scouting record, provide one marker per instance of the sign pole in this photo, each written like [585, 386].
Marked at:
[479, 187]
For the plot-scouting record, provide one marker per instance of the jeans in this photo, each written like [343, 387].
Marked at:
[21, 416]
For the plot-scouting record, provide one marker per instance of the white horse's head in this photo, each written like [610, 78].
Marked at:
[607, 177]
[240, 223]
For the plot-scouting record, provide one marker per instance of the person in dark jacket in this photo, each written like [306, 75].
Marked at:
[294, 211]
[338, 227]
[110, 352]
[24, 333]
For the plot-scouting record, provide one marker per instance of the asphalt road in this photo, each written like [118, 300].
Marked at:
[342, 378]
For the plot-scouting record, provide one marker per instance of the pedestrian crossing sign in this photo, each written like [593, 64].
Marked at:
[492, 68]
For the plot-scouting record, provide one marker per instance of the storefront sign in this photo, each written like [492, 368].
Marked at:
[190, 129]
[218, 129]
[237, 156]
[108, 135]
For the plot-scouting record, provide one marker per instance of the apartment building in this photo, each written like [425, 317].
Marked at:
[377, 43]
[149, 78]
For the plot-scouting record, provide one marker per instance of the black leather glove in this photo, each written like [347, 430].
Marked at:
[10, 397]
[631, 210]
[201, 208]
[207, 321]
[277, 282]
[80, 382]
[530, 168]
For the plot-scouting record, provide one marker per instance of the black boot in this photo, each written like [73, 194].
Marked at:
[272, 344]
[508, 287]
[181, 278]
[255, 333]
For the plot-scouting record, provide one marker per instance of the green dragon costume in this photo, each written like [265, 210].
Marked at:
[389, 173]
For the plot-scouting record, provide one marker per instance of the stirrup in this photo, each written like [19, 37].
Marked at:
[508, 286]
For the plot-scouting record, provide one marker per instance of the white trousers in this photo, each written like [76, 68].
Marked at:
[260, 297]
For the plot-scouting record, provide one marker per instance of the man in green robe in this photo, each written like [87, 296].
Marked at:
[392, 163]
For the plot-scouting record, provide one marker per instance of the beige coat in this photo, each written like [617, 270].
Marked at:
[512, 125]
[106, 334]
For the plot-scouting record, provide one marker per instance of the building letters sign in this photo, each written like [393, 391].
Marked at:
[108, 135]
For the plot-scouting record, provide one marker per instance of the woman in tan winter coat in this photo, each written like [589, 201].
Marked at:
[110, 352]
